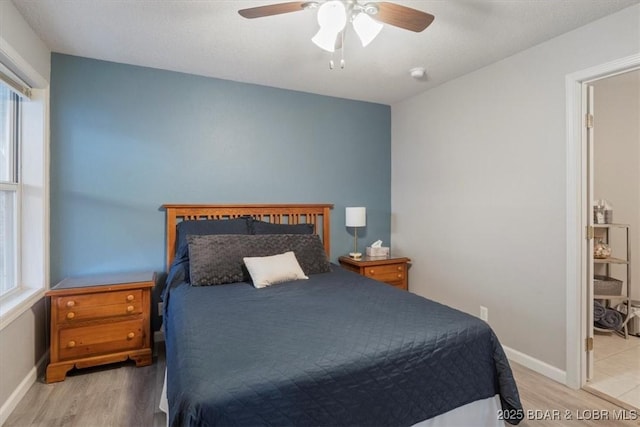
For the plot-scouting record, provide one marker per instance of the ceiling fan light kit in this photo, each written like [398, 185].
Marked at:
[367, 19]
[366, 28]
[332, 18]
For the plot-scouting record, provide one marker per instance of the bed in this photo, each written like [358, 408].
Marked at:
[330, 347]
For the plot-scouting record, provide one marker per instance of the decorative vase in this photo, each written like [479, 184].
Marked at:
[601, 250]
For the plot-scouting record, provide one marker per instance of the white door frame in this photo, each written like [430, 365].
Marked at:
[576, 251]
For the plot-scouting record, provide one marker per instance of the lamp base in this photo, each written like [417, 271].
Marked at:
[355, 255]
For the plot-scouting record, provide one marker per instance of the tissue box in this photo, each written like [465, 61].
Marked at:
[377, 252]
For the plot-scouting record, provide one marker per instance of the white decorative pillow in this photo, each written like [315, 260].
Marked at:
[269, 270]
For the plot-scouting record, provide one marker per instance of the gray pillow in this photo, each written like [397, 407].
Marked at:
[261, 227]
[218, 259]
[309, 252]
[208, 226]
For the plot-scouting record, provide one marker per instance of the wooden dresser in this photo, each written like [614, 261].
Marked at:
[393, 271]
[99, 319]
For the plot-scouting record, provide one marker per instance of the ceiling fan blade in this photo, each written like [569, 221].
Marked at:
[272, 9]
[403, 17]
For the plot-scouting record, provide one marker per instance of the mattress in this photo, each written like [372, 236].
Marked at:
[337, 349]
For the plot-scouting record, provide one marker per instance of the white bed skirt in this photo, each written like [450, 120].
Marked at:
[479, 413]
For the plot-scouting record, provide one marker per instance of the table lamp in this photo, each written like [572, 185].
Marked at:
[356, 217]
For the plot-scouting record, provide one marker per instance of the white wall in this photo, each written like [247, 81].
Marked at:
[479, 183]
[617, 162]
[21, 49]
[23, 341]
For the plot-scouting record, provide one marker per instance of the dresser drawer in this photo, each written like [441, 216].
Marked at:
[386, 273]
[85, 341]
[99, 305]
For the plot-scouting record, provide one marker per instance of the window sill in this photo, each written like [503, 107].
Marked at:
[14, 305]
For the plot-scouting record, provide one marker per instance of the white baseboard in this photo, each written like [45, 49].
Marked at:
[536, 365]
[22, 389]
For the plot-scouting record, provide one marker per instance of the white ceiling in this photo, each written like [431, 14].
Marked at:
[209, 38]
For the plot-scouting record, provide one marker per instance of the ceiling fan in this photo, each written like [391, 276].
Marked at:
[367, 18]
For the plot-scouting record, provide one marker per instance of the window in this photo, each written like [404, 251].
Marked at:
[10, 120]
[24, 189]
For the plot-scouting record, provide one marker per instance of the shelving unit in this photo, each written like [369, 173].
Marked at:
[604, 232]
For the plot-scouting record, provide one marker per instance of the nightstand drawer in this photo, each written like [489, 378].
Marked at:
[101, 298]
[399, 285]
[94, 340]
[386, 273]
[392, 271]
[99, 305]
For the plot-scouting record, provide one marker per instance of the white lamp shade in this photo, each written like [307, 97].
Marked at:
[356, 217]
[326, 39]
[332, 16]
[366, 28]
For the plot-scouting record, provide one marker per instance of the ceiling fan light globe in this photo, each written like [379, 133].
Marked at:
[332, 16]
[366, 28]
[325, 39]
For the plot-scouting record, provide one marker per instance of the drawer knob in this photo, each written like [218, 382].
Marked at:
[129, 308]
[399, 268]
[130, 335]
[372, 272]
[71, 315]
[71, 344]
[399, 276]
[129, 297]
[71, 303]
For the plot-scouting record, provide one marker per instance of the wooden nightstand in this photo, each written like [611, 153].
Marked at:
[100, 319]
[393, 271]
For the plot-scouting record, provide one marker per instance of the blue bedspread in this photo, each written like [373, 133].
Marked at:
[337, 349]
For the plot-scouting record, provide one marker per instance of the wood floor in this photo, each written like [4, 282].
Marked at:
[574, 406]
[123, 395]
[109, 396]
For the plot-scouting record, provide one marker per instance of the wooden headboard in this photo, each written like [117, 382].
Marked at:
[316, 214]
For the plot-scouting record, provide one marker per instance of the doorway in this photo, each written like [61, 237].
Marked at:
[579, 249]
[615, 167]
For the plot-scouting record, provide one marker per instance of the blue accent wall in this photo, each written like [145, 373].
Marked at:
[127, 139]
